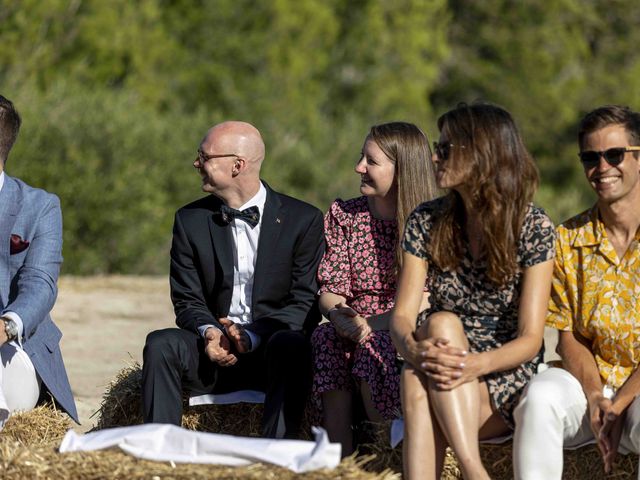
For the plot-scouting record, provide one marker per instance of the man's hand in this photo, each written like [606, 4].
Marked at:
[349, 324]
[218, 348]
[237, 334]
[601, 415]
[609, 436]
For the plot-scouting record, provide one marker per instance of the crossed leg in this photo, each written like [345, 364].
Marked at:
[436, 418]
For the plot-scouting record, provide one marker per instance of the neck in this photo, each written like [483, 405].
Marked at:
[382, 208]
[621, 218]
[237, 197]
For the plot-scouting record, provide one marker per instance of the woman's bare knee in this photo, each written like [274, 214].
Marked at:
[441, 324]
[412, 387]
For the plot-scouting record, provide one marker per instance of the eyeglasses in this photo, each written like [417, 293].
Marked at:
[613, 156]
[203, 157]
[442, 150]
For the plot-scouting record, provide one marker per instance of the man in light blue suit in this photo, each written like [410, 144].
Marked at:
[30, 258]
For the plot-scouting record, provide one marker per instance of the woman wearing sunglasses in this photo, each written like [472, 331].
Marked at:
[486, 254]
[353, 355]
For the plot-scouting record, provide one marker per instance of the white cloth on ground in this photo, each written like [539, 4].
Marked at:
[167, 443]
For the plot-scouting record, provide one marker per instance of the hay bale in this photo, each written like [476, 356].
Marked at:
[19, 461]
[385, 457]
[579, 464]
[121, 403]
[44, 424]
[122, 406]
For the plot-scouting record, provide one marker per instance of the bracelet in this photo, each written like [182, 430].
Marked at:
[333, 309]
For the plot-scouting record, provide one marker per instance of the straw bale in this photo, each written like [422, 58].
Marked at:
[121, 403]
[44, 424]
[18, 461]
[391, 458]
[497, 459]
[122, 406]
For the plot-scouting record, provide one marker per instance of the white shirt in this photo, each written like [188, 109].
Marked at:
[245, 253]
[12, 315]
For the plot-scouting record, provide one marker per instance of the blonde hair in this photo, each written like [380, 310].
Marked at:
[408, 147]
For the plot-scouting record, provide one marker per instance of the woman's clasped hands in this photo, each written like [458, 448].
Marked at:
[447, 366]
[348, 323]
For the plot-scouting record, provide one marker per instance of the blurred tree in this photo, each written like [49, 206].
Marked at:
[116, 179]
[116, 95]
[529, 57]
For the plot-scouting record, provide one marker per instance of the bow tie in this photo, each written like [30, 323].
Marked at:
[250, 215]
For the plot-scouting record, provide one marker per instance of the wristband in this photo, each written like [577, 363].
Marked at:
[333, 309]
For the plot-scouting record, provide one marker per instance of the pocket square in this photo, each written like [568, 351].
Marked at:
[17, 244]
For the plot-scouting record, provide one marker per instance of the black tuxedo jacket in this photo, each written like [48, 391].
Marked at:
[290, 247]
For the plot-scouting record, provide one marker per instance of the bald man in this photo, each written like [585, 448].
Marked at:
[243, 286]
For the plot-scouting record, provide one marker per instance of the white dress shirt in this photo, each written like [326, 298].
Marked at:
[245, 253]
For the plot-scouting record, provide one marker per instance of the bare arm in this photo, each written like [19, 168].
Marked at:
[409, 299]
[578, 360]
[534, 298]
[628, 392]
[328, 301]
[347, 322]
[613, 418]
[382, 321]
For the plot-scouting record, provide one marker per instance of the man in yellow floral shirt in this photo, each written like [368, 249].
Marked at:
[595, 304]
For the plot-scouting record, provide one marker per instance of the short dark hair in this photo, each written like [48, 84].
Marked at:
[9, 127]
[608, 115]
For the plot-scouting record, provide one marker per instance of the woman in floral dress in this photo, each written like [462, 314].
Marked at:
[353, 353]
[486, 254]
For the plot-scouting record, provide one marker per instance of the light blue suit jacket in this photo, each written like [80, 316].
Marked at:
[28, 279]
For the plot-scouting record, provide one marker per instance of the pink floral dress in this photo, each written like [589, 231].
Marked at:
[359, 264]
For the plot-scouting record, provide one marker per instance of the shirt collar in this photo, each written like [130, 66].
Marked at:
[591, 232]
[1, 180]
[257, 200]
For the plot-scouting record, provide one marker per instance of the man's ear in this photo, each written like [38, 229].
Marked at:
[239, 165]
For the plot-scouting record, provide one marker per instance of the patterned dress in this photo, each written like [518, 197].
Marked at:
[359, 264]
[489, 314]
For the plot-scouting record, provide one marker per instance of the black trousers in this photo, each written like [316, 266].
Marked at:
[174, 362]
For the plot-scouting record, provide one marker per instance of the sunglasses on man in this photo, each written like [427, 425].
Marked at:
[613, 156]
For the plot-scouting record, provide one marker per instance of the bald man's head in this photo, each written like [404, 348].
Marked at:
[239, 138]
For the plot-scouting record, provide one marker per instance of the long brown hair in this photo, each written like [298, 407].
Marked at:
[408, 147]
[502, 178]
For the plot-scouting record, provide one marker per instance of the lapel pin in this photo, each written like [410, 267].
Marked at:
[277, 220]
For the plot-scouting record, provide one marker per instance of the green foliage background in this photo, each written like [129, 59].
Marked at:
[116, 95]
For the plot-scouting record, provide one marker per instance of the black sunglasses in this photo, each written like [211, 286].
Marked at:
[442, 150]
[613, 156]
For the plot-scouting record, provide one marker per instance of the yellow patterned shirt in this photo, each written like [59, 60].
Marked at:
[598, 295]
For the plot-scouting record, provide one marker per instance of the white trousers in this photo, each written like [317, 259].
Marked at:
[552, 415]
[20, 384]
